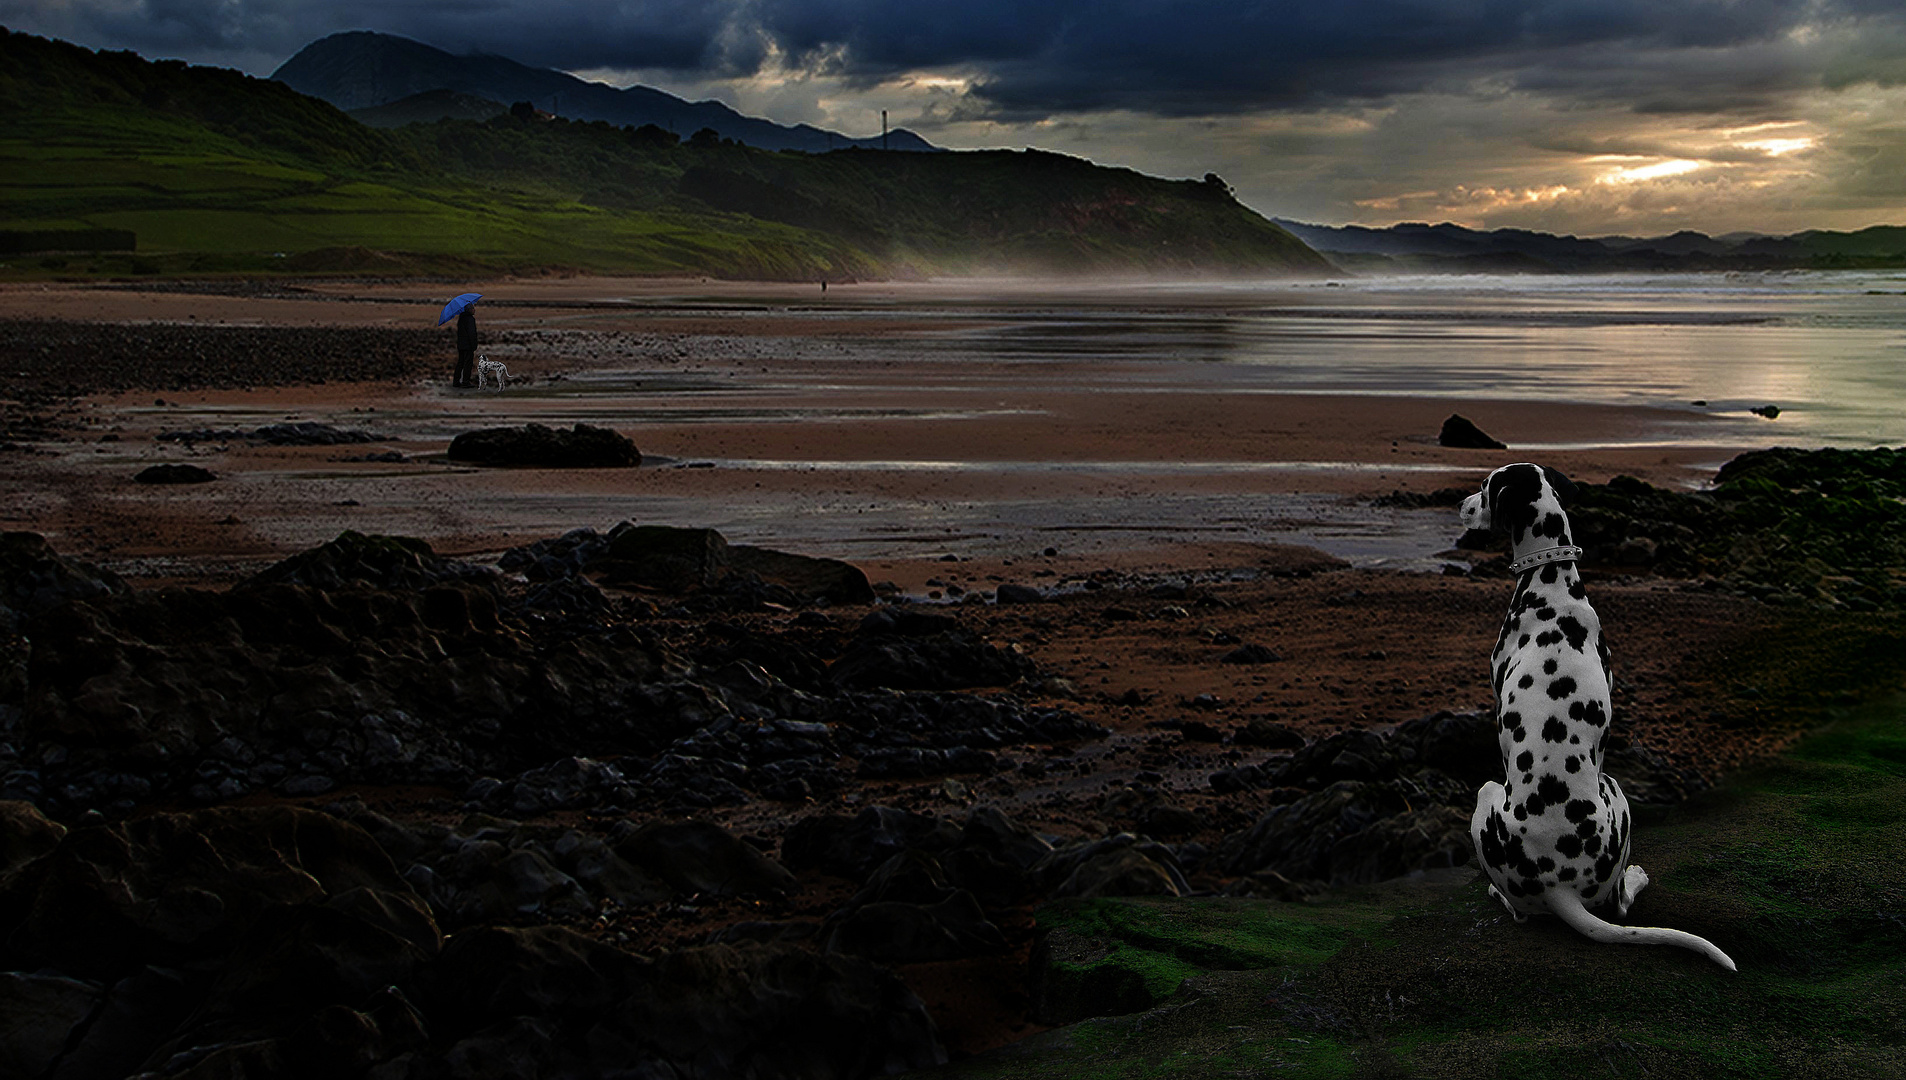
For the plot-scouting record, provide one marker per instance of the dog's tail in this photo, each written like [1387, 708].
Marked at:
[1568, 907]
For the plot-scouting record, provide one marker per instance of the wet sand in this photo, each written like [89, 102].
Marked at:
[836, 426]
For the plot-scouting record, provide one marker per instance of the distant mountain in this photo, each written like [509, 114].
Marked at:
[1415, 246]
[429, 106]
[363, 70]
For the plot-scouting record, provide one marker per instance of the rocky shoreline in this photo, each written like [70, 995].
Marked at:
[644, 799]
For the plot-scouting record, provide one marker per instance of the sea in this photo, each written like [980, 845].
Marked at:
[1826, 349]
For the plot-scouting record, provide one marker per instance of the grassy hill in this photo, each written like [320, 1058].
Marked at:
[215, 172]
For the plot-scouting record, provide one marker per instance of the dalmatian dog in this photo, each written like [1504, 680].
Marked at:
[487, 366]
[1554, 839]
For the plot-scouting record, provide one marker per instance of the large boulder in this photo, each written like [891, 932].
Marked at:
[683, 560]
[585, 446]
[1458, 431]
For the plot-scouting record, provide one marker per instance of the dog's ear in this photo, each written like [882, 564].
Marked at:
[1563, 487]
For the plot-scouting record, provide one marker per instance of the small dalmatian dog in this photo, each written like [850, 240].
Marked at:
[1554, 839]
[487, 366]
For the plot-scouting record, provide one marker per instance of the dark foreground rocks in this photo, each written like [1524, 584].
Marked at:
[577, 717]
[282, 942]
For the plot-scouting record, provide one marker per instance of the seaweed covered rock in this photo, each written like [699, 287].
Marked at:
[1784, 525]
[585, 446]
[682, 560]
[355, 558]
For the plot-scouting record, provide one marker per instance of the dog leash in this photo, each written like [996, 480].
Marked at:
[1559, 553]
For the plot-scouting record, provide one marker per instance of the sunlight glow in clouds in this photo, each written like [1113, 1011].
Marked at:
[1640, 173]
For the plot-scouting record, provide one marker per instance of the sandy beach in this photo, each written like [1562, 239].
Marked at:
[775, 414]
[1165, 521]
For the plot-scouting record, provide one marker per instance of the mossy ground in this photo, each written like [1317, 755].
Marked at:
[1793, 867]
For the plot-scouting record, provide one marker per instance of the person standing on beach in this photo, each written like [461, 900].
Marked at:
[465, 375]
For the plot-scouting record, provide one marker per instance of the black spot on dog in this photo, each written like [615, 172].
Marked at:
[1570, 847]
[1555, 730]
[1524, 760]
[1567, 874]
[1521, 814]
[1555, 525]
[1572, 764]
[1535, 804]
[1578, 810]
[1511, 721]
[1604, 867]
[1545, 614]
[1594, 714]
[1524, 643]
[1578, 590]
[1525, 682]
[1548, 666]
[1592, 845]
[1561, 688]
[1545, 864]
[1547, 638]
[1548, 574]
[1553, 790]
[1577, 633]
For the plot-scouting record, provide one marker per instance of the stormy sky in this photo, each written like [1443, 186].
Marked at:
[1576, 116]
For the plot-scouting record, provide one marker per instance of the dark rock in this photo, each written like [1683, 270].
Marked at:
[354, 558]
[1100, 867]
[904, 933]
[852, 848]
[1461, 433]
[1769, 411]
[1017, 594]
[1430, 838]
[1298, 839]
[585, 446]
[1357, 754]
[38, 1014]
[911, 762]
[1463, 745]
[158, 889]
[25, 835]
[908, 622]
[174, 474]
[1260, 732]
[680, 561]
[35, 579]
[763, 1010]
[1125, 872]
[699, 857]
[953, 660]
[1251, 654]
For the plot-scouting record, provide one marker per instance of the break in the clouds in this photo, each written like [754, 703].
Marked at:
[1574, 115]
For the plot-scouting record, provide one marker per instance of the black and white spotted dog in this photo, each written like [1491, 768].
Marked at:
[1554, 839]
[486, 367]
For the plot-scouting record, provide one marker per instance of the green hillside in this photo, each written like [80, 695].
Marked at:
[214, 172]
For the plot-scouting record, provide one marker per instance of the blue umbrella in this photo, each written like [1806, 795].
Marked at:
[451, 309]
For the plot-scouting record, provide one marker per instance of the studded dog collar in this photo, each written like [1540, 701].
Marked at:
[1559, 553]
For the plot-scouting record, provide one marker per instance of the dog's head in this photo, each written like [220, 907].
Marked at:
[1522, 499]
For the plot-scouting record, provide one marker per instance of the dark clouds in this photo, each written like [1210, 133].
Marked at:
[1586, 115]
[1034, 59]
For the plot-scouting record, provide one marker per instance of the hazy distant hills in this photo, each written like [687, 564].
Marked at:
[119, 166]
[363, 70]
[1420, 247]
